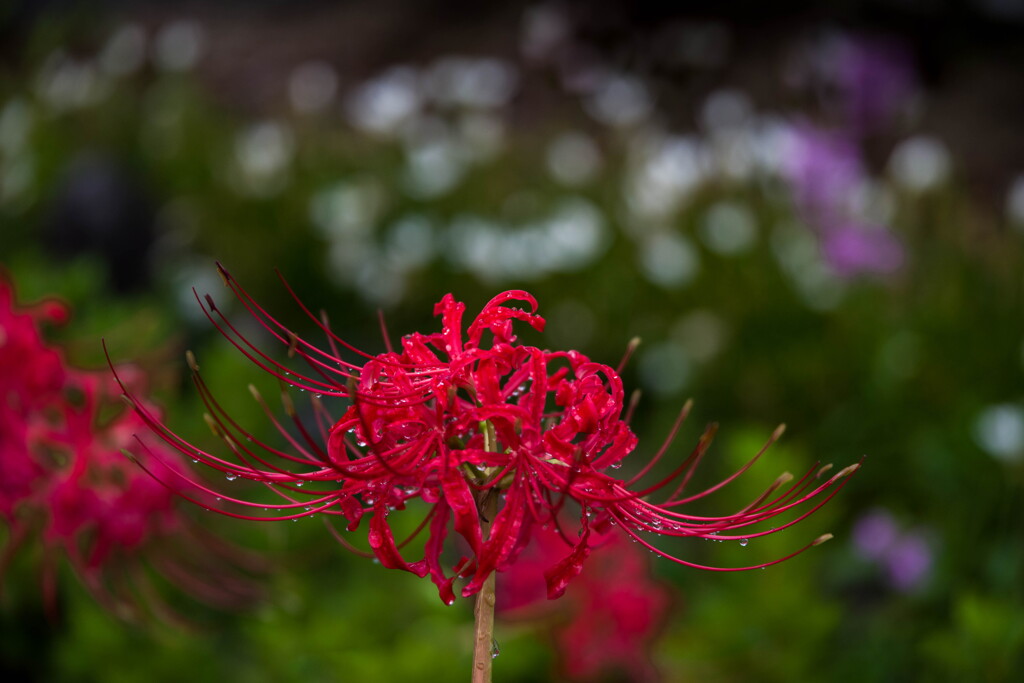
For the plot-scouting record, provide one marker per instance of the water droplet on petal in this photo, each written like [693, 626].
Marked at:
[231, 476]
[744, 541]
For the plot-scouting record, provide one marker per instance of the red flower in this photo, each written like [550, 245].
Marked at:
[63, 476]
[614, 609]
[464, 422]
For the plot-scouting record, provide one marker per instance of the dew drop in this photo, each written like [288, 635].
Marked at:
[744, 542]
[299, 483]
[231, 476]
[615, 465]
[495, 649]
[195, 460]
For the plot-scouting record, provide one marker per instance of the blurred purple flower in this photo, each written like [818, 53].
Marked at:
[905, 557]
[909, 562]
[874, 79]
[825, 171]
[854, 249]
[823, 168]
[874, 533]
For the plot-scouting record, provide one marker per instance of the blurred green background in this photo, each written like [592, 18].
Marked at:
[642, 173]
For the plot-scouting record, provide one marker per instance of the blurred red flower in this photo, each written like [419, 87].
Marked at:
[608, 618]
[65, 482]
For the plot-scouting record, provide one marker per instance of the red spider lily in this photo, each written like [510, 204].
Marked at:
[464, 421]
[611, 613]
[63, 476]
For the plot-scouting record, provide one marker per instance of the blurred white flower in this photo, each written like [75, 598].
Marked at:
[383, 105]
[433, 168]
[125, 51]
[728, 228]
[482, 82]
[668, 259]
[920, 163]
[65, 83]
[349, 211]
[702, 333]
[999, 430]
[15, 126]
[726, 111]
[620, 101]
[573, 158]
[666, 173]
[482, 135]
[410, 242]
[545, 29]
[571, 236]
[263, 155]
[799, 254]
[179, 45]
[1015, 202]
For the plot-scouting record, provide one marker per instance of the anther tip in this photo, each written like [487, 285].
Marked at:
[847, 471]
[784, 478]
[289, 405]
[821, 539]
[224, 275]
[633, 343]
[779, 431]
[190, 358]
[212, 424]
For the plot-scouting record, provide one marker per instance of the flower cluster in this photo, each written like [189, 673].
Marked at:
[496, 438]
[63, 476]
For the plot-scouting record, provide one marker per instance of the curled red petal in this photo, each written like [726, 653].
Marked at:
[382, 541]
[460, 499]
[434, 546]
[559, 576]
